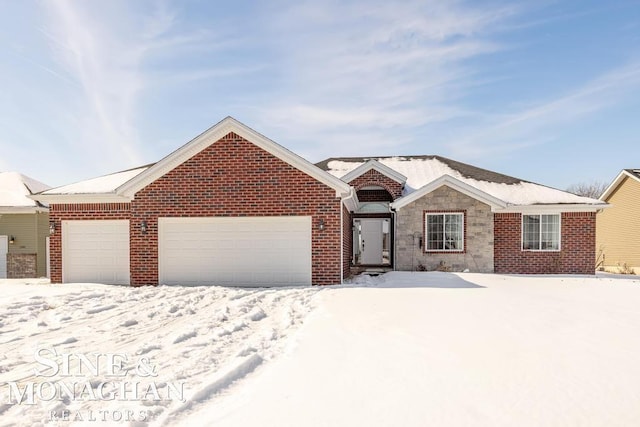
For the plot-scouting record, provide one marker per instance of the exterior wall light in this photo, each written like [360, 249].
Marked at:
[321, 224]
[12, 240]
[52, 227]
[143, 227]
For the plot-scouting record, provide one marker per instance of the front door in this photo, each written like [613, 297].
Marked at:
[372, 241]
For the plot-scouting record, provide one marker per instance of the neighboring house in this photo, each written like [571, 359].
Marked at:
[618, 235]
[24, 227]
[232, 207]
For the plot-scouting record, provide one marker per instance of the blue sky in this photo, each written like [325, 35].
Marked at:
[548, 91]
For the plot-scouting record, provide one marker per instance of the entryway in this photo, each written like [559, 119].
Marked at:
[372, 241]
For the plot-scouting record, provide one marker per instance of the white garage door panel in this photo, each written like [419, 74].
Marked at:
[95, 251]
[4, 248]
[245, 251]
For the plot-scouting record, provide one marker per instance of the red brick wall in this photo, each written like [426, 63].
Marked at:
[373, 177]
[347, 242]
[233, 177]
[88, 211]
[577, 254]
[374, 196]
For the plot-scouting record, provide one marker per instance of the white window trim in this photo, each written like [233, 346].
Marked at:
[426, 233]
[540, 235]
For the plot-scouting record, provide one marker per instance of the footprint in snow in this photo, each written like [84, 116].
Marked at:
[101, 309]
[257, 315]
[247, 351]
[185, 337]
[129, 323]
[69, 340]
[93, 295]
[147, 349]
[237, 327]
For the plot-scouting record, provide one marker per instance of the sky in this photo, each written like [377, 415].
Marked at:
[547, 91]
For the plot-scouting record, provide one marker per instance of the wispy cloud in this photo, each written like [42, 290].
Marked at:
[124, 81]
[106, 66]
[523, 128]
[387, 68]
[116, 55]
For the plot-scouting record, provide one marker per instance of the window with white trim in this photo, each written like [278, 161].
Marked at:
[541, 232]
[444, 232]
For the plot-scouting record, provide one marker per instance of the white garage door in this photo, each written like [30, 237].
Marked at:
[95, 251]
[244, 251]
[4, 248]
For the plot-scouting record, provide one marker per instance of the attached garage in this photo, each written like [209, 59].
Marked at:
[96, 251]
[235, 251]
[230, 207]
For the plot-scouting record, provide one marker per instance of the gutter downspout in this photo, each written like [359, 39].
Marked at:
[342, 242]
[395, 232]
[351, 196]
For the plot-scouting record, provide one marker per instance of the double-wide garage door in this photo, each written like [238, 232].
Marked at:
[235, 251]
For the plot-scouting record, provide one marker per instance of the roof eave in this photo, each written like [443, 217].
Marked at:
[554, 208]
[377, 166]
[616, 182]
[80, 198]
[351, 200]
[22, 209]
[457, 185]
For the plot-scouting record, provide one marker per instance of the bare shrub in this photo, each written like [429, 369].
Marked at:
[584, 189]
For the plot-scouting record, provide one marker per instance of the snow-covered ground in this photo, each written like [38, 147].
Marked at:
[410, 349]
[199, 339]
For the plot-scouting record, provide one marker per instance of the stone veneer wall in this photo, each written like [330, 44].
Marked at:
[21, 266]
[478, 253]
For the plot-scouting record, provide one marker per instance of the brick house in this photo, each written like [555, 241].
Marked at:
[232, 207]
[443, 214]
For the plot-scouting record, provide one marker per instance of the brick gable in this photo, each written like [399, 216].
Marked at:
[374, 178]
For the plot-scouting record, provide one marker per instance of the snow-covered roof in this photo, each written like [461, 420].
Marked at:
[423, 170]
[122, 186]
[101, 185]
[14, 189]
